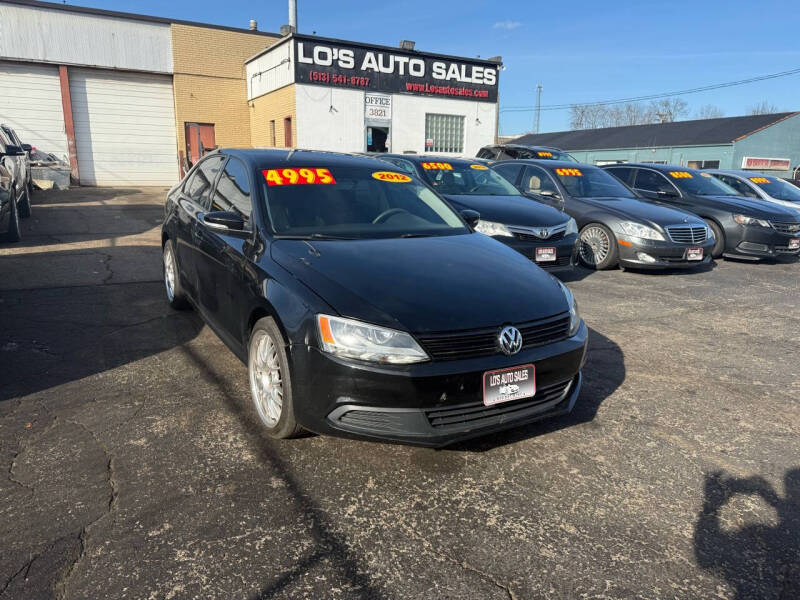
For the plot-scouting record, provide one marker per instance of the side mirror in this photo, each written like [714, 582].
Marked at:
[224, 219]
[27, 147]
[550, 194]
[471, 217]
[14, 151]
[667, 193]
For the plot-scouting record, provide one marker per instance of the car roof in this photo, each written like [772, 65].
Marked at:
[421, 158]
[741, 173]
[528, 147]
[547, 162]
[656, 166]
[283, 157]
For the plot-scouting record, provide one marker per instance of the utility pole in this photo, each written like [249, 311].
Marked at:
[538, 108]
[293, 15]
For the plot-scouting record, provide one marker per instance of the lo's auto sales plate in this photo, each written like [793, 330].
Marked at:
[794, 243]
[694, 254]
[545, 254]
[505, 385]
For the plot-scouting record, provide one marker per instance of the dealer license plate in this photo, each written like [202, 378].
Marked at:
[545, 254]
[794, 243]
[694, 254]
[505, 385]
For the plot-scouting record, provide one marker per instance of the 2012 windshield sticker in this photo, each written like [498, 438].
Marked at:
[306, 176]
[391, 177]
[680, 175]
[569, 172]
[437, 166]
[479, 167]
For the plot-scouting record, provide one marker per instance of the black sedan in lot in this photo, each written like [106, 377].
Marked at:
[521, 151]
[743, 227]
[15, 200]
[543, 234]
[616, 226]
[362, 304]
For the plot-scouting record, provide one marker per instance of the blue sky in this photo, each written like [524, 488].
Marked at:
[579, 51]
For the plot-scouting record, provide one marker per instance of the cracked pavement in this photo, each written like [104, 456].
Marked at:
[135, 467]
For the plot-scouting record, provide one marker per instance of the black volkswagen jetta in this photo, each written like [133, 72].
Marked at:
[545, 235]
[743, 227]
[617, 227]
[362, 304]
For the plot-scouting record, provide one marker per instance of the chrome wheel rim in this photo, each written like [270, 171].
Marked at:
[595, 245]
[169, 273]
[266, 383]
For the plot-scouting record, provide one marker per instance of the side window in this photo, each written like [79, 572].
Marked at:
[739, 186]
[486, 153]
[199, 186]
[233, 189]
[624, 174]
[509, 170]
[652, 181]
[403, 165]
[536, 181]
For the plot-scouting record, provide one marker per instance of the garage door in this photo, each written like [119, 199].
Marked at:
[30, 101]
[124, 127]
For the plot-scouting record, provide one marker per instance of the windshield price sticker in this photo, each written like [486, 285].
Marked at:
[705, 175]
[479, 167]
[545, 154]
[680, 175]
[298, 176]
[759, 180]
[437, 166]
[391, 177]
[569, 172]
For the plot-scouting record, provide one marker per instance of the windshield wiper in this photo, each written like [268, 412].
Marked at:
[315, 236]
[416, 235]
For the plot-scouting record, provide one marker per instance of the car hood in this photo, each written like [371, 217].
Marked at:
[444, 283]
[760, 209]
[649, 213]
[510, 210]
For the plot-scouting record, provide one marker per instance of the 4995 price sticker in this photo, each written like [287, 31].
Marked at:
[307, 176]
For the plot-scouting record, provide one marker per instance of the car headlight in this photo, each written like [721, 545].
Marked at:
[491, 228]
[572, 227]
[634, 229]
[745, 220]
[353, 339]
[574, 316]
[709, 233]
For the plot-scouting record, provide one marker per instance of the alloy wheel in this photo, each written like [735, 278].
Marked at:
[595, 245]
[266, 383]
[169, 273]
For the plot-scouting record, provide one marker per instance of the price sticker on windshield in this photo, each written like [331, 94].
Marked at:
[437, 166]
[391, 177]
[569, 172]
[680, 175]
[479, 167]
[759, 180]
[545, 154]
[706, 175]
[298, 176]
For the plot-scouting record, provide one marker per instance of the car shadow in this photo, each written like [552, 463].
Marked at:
[603, 373]
[685, 272]
[757, 560]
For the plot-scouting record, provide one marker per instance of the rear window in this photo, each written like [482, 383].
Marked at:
[466, 179]
[541, 154]
[354, 203]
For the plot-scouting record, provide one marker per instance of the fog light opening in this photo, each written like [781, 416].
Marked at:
[644, 257]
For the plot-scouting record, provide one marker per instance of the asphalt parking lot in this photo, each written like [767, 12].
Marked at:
[134, 467]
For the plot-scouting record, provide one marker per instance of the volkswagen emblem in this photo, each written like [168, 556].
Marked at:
[510, 340]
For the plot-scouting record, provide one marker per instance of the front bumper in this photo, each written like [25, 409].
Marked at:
[665, 254]
[566, 250]
[429, 404]
[758, 242]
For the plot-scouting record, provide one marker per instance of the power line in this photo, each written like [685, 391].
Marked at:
[652, 96]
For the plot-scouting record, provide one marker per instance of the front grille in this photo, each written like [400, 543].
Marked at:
[786, 228]
[483, 342]
[527, 237]
[785, 250]
[560, 261]
[476, 414]
[687, 234]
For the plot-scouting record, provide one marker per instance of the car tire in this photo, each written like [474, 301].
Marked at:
[598, 247]
[719, 239]
[270, 380]
[172, 280]
[25, 203]
[13, 233]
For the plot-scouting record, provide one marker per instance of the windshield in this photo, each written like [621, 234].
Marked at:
[542, 154]
[466, 179]
[700, 184]
[354, 203]
[591, 182]
[777, 188]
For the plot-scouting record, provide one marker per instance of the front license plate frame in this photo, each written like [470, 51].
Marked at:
[546, 254]
[694, 254]
[510, 378]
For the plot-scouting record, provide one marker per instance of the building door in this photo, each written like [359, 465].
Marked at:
[124, 127]
[287, 132]
[200, 140]
[377, 139]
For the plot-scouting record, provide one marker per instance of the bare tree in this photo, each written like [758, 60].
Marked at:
[668, 110]
[709, 111]
[588, 116]
[762, 108]
[632, 113]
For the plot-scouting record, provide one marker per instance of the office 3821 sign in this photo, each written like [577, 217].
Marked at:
[375, 69]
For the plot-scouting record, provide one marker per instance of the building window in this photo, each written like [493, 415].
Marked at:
[444, 133]
[654, 162]
[272, 141]
[703, 164]
[287, 132]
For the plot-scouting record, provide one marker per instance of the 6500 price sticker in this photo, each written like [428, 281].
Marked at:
[298, 176]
